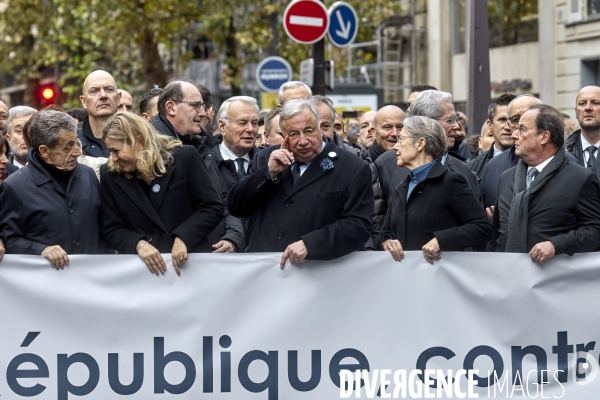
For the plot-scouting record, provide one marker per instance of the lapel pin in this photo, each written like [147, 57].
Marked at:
[332, 154]
[156, 188]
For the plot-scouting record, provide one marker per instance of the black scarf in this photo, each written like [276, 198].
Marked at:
[516, 241]
[375, 151]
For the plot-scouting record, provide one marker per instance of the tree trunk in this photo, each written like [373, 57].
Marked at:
[154, 70]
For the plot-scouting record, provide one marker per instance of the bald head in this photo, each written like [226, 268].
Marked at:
[100, 96]
[518, 106]
[125, 101]
[388, 121]
[587, 109]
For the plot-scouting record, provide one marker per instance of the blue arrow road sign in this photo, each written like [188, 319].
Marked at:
[343, 24]
[273, 72]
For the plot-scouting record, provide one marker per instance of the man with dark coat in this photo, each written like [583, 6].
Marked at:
[547, 205]
[177, 118]
[312, 200]
[100, 98]
[51, 206]
[584, 143]
[388, 122]
[237, 120]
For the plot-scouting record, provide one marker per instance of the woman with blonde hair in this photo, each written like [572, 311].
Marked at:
[157, 196]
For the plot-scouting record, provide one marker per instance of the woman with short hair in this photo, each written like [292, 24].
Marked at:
[433, 209]
[157, 196]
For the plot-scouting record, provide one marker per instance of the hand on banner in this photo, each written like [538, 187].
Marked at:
[57, 256]
[280, 159]
[179, 254]
[395, 248]
[542, 251]
[296, 252]
[432, 251]
[1, 249]
[490, 212]
[223, 246]
[151, 257]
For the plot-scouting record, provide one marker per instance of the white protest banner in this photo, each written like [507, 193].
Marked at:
[235, 326]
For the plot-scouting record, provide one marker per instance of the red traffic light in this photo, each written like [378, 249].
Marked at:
[48, 93]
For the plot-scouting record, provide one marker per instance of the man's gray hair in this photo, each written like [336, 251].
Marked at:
[420, 127]
[294, 107]
[429, 104]
[223, 113]
[537, 101]
[16, 112]
[317, 99]
[45, 128]
[483, 127]
[291, 85]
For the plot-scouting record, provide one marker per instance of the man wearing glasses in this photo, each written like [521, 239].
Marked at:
[181, 111]
[311, 200]
[547, 205]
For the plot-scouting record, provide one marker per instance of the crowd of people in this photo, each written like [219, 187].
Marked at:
[297, 179]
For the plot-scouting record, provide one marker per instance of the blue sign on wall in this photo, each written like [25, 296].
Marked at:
[343, 24]
[273, 72]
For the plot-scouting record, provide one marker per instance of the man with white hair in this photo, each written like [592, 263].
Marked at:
[293, 90]
[15, 124]
[311, 200]
[237, 120]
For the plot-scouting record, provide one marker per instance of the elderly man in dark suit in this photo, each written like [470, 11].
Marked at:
[312, 200]
[547, 205]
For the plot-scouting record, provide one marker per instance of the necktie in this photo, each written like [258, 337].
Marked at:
[241, 172]
[296, 172]
[591, 164]
[532, 173]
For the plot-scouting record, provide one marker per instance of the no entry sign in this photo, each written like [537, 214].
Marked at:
[306, 21]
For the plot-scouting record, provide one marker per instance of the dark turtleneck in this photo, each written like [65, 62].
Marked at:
[59, 176]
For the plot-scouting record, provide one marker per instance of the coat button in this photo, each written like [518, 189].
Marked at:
[76, 243]
[287, 203]
[280, 235]
[70, 211]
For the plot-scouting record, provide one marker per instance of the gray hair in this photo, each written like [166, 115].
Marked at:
[420, 127]
[16, 112]
[223, 113]
[291, 85]
[483, 127]
[317, 99]
[537, 101]
[45, 127]
[295, 107]
[429, 104]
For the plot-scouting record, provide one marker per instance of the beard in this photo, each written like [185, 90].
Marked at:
[590, 125]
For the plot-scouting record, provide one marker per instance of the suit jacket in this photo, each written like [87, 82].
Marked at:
[440, 206]
[91, 145]
[227, 167]
[565, 211]
[574, 147]
[36, 212]
[330, 209]
[11, 169]
[185, 205]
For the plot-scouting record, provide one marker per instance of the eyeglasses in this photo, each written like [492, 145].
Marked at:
[451, 120]
[401, 138]
[521, 130]
[196, 104]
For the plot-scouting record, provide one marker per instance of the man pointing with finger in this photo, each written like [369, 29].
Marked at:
[312, 200]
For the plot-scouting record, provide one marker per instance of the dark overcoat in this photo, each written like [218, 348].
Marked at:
[181, 204]
[441, 206]
[35, 212]
[330, 208]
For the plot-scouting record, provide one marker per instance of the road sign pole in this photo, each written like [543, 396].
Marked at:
[319, 68]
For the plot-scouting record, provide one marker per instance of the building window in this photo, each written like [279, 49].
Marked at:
[512, 22]
[593, 7]
[459, 26]
[590, 72]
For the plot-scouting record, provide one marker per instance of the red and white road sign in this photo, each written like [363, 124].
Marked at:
[306, 21]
